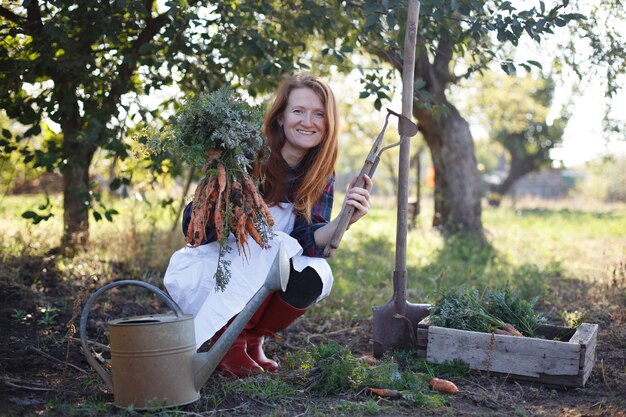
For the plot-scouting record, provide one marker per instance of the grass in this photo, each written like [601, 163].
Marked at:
[527, 246]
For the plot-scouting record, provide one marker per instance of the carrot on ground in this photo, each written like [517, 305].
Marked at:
[443, 385]
[386, 393]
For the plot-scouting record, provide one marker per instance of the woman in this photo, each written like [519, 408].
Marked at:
[302, 128]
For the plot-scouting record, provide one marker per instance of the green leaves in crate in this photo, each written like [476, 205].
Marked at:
[494, 311]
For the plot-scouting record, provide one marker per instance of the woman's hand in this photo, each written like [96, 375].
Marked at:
[359, 198]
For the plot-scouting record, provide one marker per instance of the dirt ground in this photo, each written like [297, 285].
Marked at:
[41, 374]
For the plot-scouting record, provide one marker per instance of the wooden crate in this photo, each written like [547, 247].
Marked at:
[558, 356]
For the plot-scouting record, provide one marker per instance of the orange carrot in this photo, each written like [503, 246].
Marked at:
[254, 233]
[195, 232]
[386, 393]
[512, 330]
[252, 191]
[260, 204]
[370, 360]
[221, 176]
[443, 385]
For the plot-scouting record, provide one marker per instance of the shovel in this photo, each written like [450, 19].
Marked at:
[395, 324]
[406, 128]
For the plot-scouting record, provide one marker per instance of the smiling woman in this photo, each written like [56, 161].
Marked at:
[301, 129]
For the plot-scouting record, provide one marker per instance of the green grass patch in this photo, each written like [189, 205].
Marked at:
[331, 370]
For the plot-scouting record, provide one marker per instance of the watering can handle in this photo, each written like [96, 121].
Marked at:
[104, 374]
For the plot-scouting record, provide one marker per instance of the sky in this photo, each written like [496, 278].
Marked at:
[583, 139]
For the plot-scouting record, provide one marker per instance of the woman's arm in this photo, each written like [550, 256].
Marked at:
[357, 197]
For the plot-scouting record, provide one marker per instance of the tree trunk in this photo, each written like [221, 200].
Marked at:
[76, 199]
[457, 180]
[522, 164]
[76, 204]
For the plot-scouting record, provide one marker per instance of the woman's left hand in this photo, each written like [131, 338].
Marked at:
[359, 198]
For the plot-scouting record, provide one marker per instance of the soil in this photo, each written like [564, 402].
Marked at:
[44, 374]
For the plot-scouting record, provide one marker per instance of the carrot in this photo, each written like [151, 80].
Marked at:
[386, 393]
[221, 176]
[195, 232]
[238, 226]
[512, 330]
[369, 360]
[252, 191]
[218, 220]
[443, 385]
[254, 233]
[259, 203]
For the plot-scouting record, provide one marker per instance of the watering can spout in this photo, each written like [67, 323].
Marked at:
[204, 363]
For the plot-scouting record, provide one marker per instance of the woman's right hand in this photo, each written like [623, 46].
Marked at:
[359, 198]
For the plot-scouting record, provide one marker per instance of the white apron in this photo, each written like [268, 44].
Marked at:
[190, 281]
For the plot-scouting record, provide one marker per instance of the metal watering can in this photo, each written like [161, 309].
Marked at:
[154, 358]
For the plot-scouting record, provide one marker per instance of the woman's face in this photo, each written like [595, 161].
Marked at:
[304, 123]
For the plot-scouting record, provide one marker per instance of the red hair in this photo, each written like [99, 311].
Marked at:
[319, 162]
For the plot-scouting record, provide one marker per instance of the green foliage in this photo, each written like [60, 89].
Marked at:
[211, 120]
[337, 368]
[331, 369]
[462, 308]
[85, 66]
[44, 212]
[466, 309]
[510, 308]
[268, 389]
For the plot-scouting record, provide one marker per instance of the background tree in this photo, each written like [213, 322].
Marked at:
[84, 65]
[516, 113]
[455, 40]
[594, 52]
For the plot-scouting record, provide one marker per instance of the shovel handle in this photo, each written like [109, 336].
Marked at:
[348, 211]
[104, 374]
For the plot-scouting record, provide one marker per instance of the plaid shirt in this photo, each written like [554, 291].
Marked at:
[320, 215]
[302, 231]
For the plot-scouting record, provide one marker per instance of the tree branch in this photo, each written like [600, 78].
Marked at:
[12, 17]
[34, 20]
[129, 64]
[441, 63]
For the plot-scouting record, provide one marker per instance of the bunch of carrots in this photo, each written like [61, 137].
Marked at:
[218, 132]
[229, 202]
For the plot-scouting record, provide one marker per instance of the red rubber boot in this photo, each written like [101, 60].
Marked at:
[277, 316]
[237, 362]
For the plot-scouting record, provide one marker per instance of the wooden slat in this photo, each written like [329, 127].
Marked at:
[587, 336]
[505, 354]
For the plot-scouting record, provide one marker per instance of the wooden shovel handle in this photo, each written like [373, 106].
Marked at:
[348, 211]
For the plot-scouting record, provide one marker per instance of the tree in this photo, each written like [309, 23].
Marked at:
[514, 111]
[602, 58]
[454, 42]
[82, 66]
